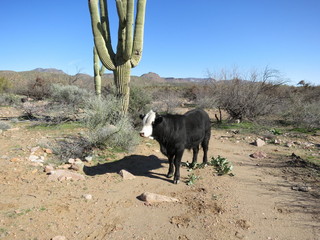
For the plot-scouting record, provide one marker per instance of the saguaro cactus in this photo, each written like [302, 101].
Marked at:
[129, 48]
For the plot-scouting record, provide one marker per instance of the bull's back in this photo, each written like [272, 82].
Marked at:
[198, 125]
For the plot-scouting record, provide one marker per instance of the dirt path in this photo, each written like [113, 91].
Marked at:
[257, 203]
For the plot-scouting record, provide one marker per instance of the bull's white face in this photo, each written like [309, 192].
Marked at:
[147, 122]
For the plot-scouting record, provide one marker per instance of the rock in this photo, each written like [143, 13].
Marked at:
[87, 196]
[71, 161]
[36, 159]
[126, 175]
[258, 155]
[48, 169]
[301, 188]
[289, 144]
[15, 160]
[152, 197]
[259, 142]
[88, 158]
[61, 175]
[59, 238]
[34, 149]
[47, 150]
[277, 141]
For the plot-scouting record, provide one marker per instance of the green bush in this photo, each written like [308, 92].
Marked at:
[69, 94]
[7, 99]
[4, 126]
[222, 165]
[4, 85]
[304, 114]
[107, 126]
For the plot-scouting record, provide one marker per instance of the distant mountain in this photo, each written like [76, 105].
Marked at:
[154, 77]
[190, 79]
[49, 70]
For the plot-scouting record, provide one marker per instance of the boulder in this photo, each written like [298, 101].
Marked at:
[259, 142]
[126, 175]
[62, 175]
[258, 155]
[153, 197]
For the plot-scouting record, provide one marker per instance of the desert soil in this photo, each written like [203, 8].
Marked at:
[263, 200]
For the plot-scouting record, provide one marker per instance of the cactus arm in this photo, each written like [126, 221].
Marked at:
[138, 33]
[97, 73]
[129, 26]
[121, 13]
[105, 27]
[99, 40]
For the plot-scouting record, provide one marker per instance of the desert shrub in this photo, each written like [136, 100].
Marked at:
[140, 100]
[166, 99]
[4, 126]
[304, 114]
[140, 103]
[38, 89]
[8, 99]
[249, 99]
[69, 94]
[107, 126]
[4, 85]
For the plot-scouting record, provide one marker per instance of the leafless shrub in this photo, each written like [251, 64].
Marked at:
[166, 99]
[249, 98]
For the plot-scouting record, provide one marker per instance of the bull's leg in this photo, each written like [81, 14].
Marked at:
[171, 166]
[205, 146]
[177, 162]
[195, 156]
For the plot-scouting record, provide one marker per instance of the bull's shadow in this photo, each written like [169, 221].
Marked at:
[138, 165]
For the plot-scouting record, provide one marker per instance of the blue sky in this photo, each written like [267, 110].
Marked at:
[183, 38]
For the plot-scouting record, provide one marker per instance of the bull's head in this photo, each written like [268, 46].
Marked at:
[148, 122]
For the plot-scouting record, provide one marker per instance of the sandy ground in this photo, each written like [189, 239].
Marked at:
[259, 202]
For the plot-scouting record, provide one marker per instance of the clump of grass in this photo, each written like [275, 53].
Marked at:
[222, 165]
[276, 131]
[4, 126]
[107, 126]
[192, 178]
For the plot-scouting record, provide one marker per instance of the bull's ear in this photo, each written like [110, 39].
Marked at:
[142, 116]
[158, 119]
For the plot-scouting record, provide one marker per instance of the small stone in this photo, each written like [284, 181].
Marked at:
[289, 144]
[301, 188]
[15, 160]
[59, 238]
[152, 197]
[48, 168]
[33, 158]
[258, 155]
[47, 150]
[126, 175]
[71, 160]
[34, 149]
[259, 142]
[88, 158]
[87, 196]
[61, 175]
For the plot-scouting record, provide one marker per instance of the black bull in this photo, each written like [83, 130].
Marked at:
[175, 133]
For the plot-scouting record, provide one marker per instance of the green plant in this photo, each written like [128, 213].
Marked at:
[107, 126]
[4, 126]
[276, 131]
[69, 94]
[222, 165]
[4, 85]
[192, 178]
[129, 50]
